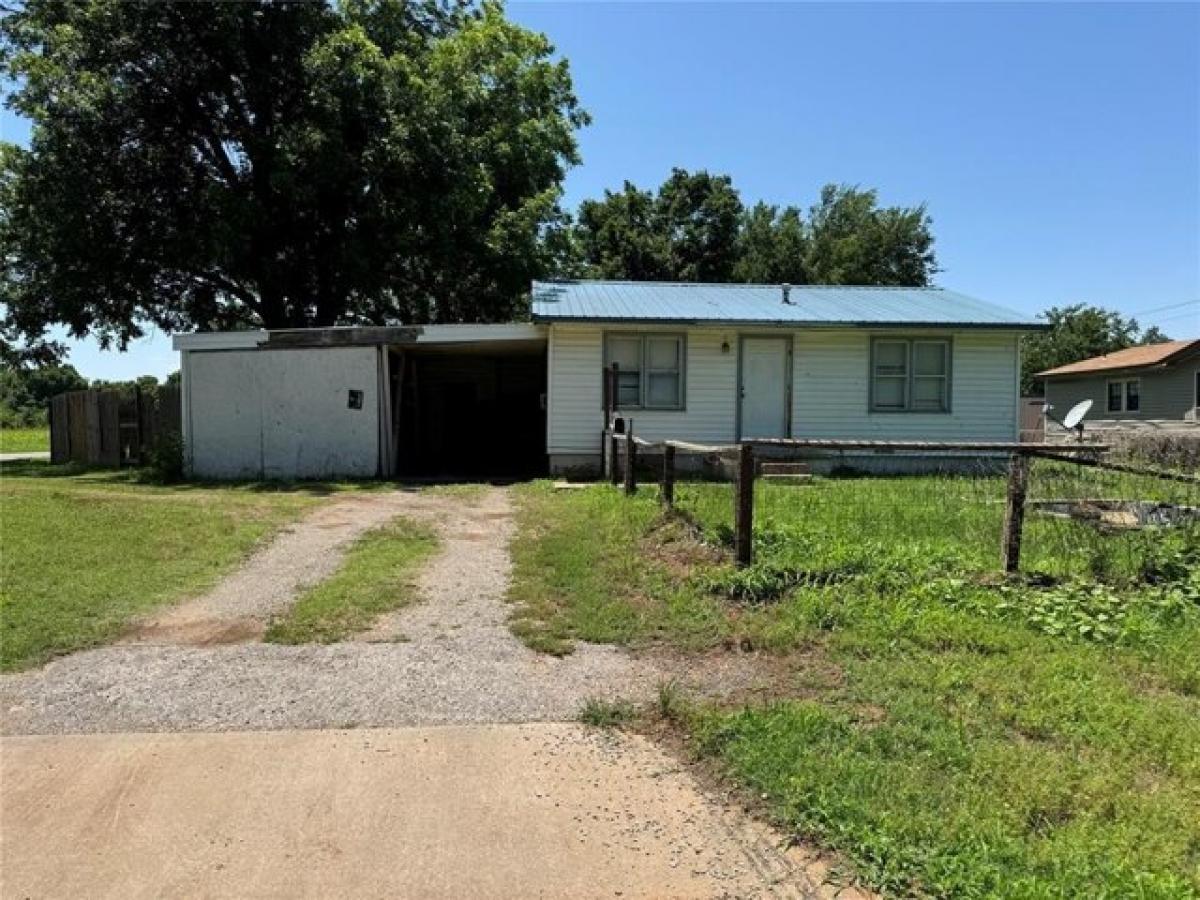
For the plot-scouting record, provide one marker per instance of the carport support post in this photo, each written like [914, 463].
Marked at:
[743, 507]
[1014, 511]
[630, 459]
[668, 476]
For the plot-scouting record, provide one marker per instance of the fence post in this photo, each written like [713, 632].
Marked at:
[1014, 511]
[139, 438]
[668, 476]
[743, 525]
[614, 448]
[630, 459]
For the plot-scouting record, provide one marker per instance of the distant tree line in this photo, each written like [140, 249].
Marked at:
[25, 392]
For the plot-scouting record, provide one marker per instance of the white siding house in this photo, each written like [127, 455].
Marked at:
[709, 364]
[756, 366]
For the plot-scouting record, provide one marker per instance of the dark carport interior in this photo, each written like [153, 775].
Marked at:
[470, 409]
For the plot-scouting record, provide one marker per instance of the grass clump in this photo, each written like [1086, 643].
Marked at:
[607, 713]
[82, 554]
[580, 574]
[376, 577]
[24, 440]
[467, 492]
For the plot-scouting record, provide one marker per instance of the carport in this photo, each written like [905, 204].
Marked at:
[470, 406]
[435, 400]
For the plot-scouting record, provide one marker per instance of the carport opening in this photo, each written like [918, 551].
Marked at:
[470, 410]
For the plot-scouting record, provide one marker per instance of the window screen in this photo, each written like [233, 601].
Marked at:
[664, 365]
[891, 375]
[910, 375]
[650, 369]
[931, 371]
[626, 352]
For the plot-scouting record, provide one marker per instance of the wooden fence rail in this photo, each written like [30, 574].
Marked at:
[111, 427]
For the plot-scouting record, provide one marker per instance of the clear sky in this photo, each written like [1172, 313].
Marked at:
[1056, 145]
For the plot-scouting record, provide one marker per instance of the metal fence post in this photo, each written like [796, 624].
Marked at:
[630, 459]
[668, 476]
[1014, 511]
[614, 453]
[743, 526]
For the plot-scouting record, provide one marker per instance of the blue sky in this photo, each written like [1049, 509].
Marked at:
[1056, 145]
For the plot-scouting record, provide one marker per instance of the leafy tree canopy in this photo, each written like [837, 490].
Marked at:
[1078, 332]
[25, 393]
[695, 228]
[265, 164]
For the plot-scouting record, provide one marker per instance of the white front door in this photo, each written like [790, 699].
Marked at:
[763, 389]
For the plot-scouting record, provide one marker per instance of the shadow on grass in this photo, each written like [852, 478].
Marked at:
[135, 477]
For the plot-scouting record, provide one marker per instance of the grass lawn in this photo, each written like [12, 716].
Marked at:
[82, 554]
[376, 576]
[950, 732]
[24, 440]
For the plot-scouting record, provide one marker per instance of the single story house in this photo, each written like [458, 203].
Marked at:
[696, 362]
[1156, 385]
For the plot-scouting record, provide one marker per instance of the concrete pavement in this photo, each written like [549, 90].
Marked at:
[475, 811]
[19, 457]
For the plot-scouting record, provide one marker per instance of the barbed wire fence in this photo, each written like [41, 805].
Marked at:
[820, 508]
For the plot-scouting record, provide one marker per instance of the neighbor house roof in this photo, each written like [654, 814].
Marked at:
[765, 304]
[1132, 358]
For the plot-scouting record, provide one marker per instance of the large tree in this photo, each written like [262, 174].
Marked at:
[1078, 332]
[220, 165]
[851, 240]
[686, 231]
[771, 246]
[619, 237]
[695, 228]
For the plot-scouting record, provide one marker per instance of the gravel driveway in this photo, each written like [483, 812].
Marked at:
[448, 659]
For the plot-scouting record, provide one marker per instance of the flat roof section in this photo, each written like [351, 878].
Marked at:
[358, 336]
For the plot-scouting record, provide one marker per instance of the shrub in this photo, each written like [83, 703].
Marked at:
[165, 459]
[1177, 449]
[606, 713]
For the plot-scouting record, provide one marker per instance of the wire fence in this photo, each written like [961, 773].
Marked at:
[1121, 528]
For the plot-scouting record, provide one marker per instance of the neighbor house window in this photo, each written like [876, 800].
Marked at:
[649, 369]
[1125, 395]
[910, 375]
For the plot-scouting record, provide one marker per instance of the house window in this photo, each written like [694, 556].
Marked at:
[910, 375]
[1125, 395]
[650, 369]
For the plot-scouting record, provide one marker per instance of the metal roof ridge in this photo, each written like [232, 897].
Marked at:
[740, 284]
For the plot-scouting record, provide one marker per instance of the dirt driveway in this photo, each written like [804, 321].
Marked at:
[170, 764]
[449, 659]
[496, 811]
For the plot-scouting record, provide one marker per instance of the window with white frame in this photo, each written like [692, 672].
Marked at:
[910, 375]
[650, 369]
[1125, 395]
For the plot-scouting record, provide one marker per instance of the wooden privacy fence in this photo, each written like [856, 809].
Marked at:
[623, 467]
[112, 427]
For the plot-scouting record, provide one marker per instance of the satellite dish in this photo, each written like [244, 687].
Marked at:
[1076, 413]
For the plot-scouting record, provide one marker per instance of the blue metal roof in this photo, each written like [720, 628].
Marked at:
[763, 304]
